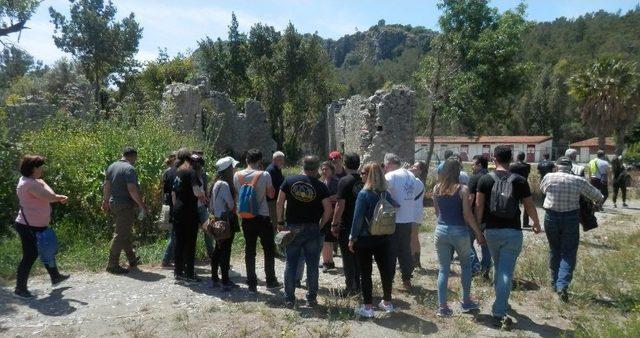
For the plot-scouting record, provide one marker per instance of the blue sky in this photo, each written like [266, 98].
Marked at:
[179, 24]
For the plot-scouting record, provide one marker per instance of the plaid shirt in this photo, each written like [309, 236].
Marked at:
[563, 191]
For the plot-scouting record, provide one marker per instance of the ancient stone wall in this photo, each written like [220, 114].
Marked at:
[376, 125]
[213, 118]
[31, 114]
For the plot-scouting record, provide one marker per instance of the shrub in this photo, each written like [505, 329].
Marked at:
[77, 155]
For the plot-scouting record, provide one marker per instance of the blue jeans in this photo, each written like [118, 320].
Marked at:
[485, 262]
[563, 233]
[449, 239]
[169, 251]
[307, 242]
[505, 246]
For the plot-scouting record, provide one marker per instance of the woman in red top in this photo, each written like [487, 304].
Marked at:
[35, 198]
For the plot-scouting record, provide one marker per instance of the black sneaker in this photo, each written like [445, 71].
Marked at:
[253, 289]
[563, 295]
[624, 204]
[312, 302]
[23, 294]
[192, 279]
[273, 285]
[229, 286]
[215, 284]
[59, 279]
[135, 262]
[117, 270]
[289, 304]
[504, 323]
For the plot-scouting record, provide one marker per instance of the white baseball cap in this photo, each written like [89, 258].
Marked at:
[225, 163]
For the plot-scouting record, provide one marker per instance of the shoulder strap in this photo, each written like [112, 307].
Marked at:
[24, 216]
[494, 176]
[256, 178]
[512, 177]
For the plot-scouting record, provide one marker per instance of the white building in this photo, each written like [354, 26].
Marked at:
[588, 148]
[468, 147]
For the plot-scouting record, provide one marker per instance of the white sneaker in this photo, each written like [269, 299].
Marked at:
[386, 308]
[362, 311]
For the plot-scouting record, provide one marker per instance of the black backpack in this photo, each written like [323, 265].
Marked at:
[503, 203]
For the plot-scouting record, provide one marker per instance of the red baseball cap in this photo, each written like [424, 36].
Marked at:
[334, 155]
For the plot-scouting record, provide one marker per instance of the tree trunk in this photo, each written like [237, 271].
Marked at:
[435, 93]
[620, 140]
[601, 142]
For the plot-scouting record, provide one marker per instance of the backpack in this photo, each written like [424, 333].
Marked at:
[384, 217]
[502, 203]
[248, 206]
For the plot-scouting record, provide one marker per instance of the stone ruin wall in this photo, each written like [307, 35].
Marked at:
[374, 126]
[370, 126]
[213, 118]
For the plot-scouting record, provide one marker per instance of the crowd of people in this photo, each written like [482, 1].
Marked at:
[371, 212]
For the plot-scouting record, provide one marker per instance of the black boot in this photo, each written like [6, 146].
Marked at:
[56, 276]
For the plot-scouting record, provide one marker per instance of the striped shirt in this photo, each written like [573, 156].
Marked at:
[563, 191]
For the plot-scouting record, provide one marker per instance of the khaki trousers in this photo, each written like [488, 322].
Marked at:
[124, 214]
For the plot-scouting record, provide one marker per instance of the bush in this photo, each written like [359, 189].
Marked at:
[77, 155]
[632, 155]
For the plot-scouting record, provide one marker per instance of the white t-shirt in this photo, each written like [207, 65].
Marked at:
[261, 187]
[404, 187]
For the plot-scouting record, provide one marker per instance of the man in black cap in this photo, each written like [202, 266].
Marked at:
[121, 194]
[562, 191]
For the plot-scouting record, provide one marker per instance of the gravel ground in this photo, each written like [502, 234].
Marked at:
[148, 303]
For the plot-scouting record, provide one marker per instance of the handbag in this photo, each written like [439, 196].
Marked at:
[218, 227]
[164, 221]
[46, 243]
[587, 215]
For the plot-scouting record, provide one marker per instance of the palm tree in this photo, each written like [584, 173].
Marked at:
[609, 95]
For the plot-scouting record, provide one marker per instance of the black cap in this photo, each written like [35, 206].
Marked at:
[564, 161]
[129, 151]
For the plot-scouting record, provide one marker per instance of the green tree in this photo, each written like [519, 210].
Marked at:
[211, 60]
[474, 63]
[14, 63]
[14, 15]
[103, 46]
[237, 62]
[609, 95]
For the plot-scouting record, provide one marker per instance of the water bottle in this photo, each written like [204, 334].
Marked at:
[141, 215]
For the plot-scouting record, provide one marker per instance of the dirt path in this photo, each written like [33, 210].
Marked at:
[149, 303]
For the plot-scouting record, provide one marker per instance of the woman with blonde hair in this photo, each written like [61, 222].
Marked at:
[368, 247]
[451, 203]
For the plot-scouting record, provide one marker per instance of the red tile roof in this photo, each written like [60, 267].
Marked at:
[485, 139]
[593, 142]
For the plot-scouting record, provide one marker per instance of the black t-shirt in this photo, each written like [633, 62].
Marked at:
[616, 167]
[348, 189]
[167, 184]
[473, 186]
[304, 198]
[521, 191]
[521, 168]
[186, 202]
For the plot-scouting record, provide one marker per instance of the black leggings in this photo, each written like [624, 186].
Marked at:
[222, 258]
[378, 248]
[185, 246]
